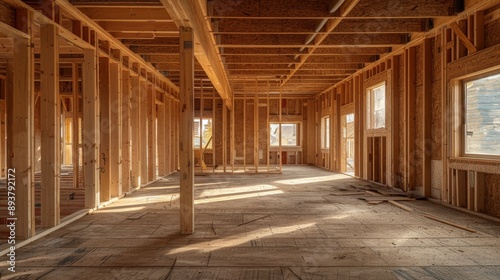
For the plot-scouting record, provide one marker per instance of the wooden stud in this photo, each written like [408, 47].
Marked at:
[151, 107]
[256, 131]
[161, 139]
[137, 178]
[186, 153]
[21, 132]
[168, 137]
[75, 126]
[115, 129]
[461, 188]
[395, 135]
[224, 135]
[461, 35]
[90, 129]
[410, 99]
[50, 126]
[479, 192]
[144, 132]
[126, 129]
[215, 136]
[105, 137]
[479, 30]
[427, 117]
[3, 130]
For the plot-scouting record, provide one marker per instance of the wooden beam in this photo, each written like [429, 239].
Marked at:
[136, 131]
[75, 126]
[105, 129]
[168, 137]
[21, 132]
[90, 129]
[479, 192]
[115, 127]
[151, 133]
[161, 139]
[186, 152]
[331, 24]
[126, 130]
[144, 131]
[50, 126]
[461, 35]
[427, 118]
[192, 14]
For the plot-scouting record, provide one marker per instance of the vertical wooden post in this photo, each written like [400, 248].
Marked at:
[256, 129]
[186, 154]
[479, 192]
[161, 139]
[395, 135]
[168, 137]
[224, 135]
[125, 119]
[231, 131]
[115, 123]
[50, 126]
[144, 132]
[136, 131]
[3, 130]
[427, 118]
[151, 100]
[90, 129]
[410, 118]
[20, 127]
[105, 138]
[76, 126]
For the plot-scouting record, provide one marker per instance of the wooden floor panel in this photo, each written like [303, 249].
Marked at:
[266, 226]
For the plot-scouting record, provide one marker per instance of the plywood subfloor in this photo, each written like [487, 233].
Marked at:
[265, 226]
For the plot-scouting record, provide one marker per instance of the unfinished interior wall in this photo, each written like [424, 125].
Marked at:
[451, 58]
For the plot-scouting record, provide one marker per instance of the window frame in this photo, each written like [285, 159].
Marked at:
[459, 143]
[325, 137]
[369, 110]
[201, 120]
[297, 133]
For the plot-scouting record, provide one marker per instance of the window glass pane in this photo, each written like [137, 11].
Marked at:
[375, 108]
[288, 134]
[482, 129]
[274, 134]
[206, 133]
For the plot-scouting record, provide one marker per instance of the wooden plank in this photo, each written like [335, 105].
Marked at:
[144, 132]
[479, 192]
[136, 138]
[427, 117]
[161, 140]
[449, 223]
[168, 137]
[126, 130]
[479, 30]
[224, 134]
[461, 188]
[115, 133]
[50, 126]
[105, 138]
[470, 189]
[395, 134]
[461, 35]
[256, 132]
[151, 98]
[3, 131]
[21, 132]
[191, 14]
[410, 117]
[90, 129]
[75, 126]
[186, 152]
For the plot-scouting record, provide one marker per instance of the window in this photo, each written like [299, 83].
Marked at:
[325, 132]
[206, 133]
[482, 115]
[375, 107]
[289, 132]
